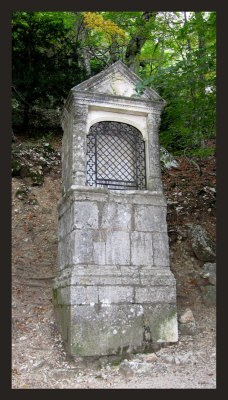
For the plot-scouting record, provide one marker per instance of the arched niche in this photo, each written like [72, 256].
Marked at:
[115, 156]
[138, 120]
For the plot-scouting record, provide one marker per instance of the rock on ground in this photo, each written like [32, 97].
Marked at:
[202, 245]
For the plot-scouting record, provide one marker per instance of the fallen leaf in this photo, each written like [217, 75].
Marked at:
[192, 282]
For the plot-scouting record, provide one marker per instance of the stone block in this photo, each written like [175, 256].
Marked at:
[160, 321]
[133, 279]
[161, 249]
[118, 248]
[61, 255]
[155, 294]
[99, 253]
[152, 279]
[65, 251]
[141, 248]
[65, 223]
[83, 295]
[63, 296]
[83, 247]
[115, 294]
[63, 316]
[114, 329]
[71, 295]
[116, 216]
[85, 215]
[96, 280]
[150, 218]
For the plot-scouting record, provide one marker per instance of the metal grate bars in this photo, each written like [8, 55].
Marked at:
[115, 156]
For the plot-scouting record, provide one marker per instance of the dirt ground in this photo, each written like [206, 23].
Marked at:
[38, 356]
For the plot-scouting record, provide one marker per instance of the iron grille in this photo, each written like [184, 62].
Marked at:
[115, 156]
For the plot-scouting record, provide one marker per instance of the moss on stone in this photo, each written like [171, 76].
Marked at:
[54, 294]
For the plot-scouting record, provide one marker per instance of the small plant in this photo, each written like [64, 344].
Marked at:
[202, 152]
[47, 136]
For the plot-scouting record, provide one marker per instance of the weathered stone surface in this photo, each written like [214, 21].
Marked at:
[209, 273]
[167, 160]
[118, 248]
[161, 249]
[63, 317]
[209, 295]
[188, 328]
[65, 223]
[186, 317]
[65, 251]
[156, 294]
[99, 253]
[105, 330]
[116, 294]
[202, 245]
[141, 248]
[187, 324]
[83, 294]
[85, 215]
[160, 322]
[116, 216]
[150, 219]
[83, 246]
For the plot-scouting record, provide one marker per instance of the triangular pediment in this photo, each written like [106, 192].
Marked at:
[116, 80]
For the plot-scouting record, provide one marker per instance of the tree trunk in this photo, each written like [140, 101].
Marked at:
[85, 55]
[202, 65]
[81, 33]
[137, 41]
[114, 56]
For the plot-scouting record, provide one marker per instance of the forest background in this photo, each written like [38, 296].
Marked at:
[172, 52]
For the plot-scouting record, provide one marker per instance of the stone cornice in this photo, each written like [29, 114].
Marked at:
[150, 197]
[93, 98]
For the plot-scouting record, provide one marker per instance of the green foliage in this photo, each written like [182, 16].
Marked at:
[176, 56]
[201, 152]
[187, 81]
[44, 68]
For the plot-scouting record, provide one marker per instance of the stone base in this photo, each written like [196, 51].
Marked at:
[113, 319]
[114, 290]
[115, 329]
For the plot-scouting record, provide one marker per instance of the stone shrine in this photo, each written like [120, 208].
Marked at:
[114, 291]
